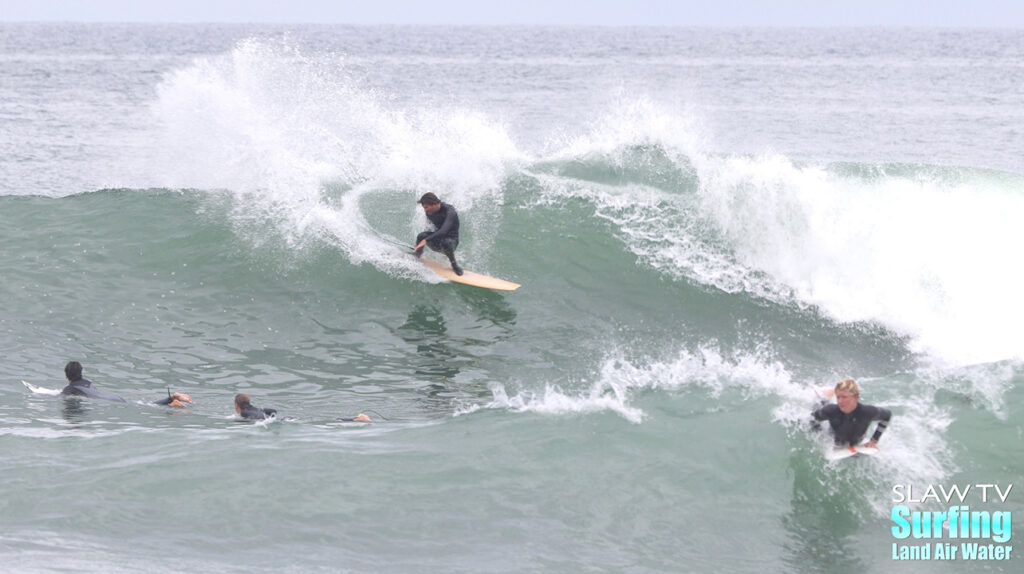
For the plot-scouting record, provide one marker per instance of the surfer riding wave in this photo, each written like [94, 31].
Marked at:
[445, 238]
[847, 418]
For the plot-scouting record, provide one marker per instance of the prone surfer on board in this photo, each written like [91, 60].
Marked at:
[76, 384]
[80, 387]
[849, 419]
[445, 238]
[246, 410]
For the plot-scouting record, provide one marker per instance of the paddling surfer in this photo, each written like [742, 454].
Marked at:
[81, 387]
[445, 237]
[849, 419]
[246, 410]
[76, 384]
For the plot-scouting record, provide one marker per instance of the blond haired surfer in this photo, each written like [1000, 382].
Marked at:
[848, 418]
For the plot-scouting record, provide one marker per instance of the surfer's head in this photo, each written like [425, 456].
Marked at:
[847, 395]
[241, 402]
[430, 202]
[73, 371]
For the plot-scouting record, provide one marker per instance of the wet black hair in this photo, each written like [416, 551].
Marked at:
[73, 370]
[428, 199]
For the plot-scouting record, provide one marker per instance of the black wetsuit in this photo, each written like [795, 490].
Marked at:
[446, 238]
[255, 413]
[75, 387]
[83, 388]
[849, 429]
[165, 401]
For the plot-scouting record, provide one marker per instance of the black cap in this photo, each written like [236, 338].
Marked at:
[428, 199]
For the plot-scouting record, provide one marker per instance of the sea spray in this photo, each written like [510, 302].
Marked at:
[280, 128]
[922, 256]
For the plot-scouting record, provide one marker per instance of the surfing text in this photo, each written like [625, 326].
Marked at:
[983, 533]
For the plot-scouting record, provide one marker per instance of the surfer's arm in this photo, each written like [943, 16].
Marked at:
[446, 227]
[360, 418]
[176, 400]
[822, 413]
[882, 415]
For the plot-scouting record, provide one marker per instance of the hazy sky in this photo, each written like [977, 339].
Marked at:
[955, 13]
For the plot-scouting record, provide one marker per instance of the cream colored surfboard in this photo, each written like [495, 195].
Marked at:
[469, 277]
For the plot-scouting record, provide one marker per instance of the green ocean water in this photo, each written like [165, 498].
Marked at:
[213, 211]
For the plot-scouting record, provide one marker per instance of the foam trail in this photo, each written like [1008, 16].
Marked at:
[619, 378]
[554, 401]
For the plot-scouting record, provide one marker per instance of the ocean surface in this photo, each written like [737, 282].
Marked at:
[706, 223]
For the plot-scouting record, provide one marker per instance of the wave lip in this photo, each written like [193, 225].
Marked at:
[924, 251]
[923, 255]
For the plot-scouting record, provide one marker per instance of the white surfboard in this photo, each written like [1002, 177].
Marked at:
[841, 452]
[41, 390]
[84, 392]
[469, 277]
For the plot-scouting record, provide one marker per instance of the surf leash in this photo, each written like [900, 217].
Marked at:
[398, 243]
